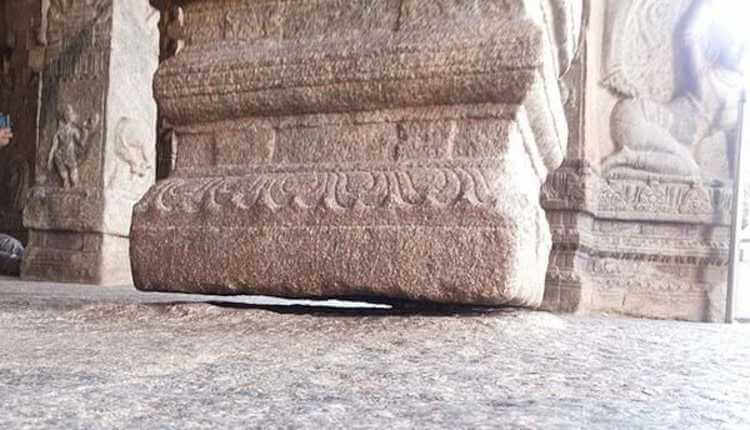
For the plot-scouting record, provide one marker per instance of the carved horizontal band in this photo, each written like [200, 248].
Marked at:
[654, 199]
[335, 191]
[208, 21]
[616, 281]
[236, 80]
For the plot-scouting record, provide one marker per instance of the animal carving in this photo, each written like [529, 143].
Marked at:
[130, 152]
[659, 137]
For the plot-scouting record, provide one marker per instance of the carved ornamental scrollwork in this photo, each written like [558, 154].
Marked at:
[435, 187]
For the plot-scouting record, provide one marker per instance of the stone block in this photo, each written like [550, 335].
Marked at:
[399, 160]
[647, 249]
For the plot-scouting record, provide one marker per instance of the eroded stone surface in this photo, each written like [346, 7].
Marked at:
[131, 364]
[402, 159]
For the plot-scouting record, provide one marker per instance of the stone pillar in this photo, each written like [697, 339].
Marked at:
[381, 148]
[640, 209]
[95, 156]
[19, 98]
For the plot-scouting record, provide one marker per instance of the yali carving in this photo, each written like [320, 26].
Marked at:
[660, 137]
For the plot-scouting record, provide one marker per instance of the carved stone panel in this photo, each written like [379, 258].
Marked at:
[677, 69]
[645, 231]
[95, 156]
[657, 270]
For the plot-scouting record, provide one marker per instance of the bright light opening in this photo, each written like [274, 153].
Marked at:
[732, 26]
[734, 17]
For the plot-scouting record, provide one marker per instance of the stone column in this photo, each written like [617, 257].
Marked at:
[386, 148]
[640, 209]
[95, 156]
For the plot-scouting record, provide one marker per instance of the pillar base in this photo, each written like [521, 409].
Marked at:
[651, 247]
[84, 258]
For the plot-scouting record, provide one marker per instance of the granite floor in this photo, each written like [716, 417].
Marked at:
[83, 357]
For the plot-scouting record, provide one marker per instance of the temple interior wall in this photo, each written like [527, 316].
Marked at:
[19, 88]
[655, 211]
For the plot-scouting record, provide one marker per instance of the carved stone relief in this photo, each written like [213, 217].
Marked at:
[92, 163]
[173, 25]
[645, 232]
[668, 125]
[70, 145]
[57, 14]
[132, 163]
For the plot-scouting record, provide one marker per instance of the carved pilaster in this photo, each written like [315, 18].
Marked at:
[95, 156]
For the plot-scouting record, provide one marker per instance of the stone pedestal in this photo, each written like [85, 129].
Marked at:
[359, 148]
[643, 248]
[95, 157]
[743, 291]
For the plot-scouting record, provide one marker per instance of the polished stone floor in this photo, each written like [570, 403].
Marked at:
[83, 357]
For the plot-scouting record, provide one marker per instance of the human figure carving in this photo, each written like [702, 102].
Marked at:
[68, 145]
[658, 137]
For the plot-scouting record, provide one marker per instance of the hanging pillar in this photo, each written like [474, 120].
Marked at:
[383, 148]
